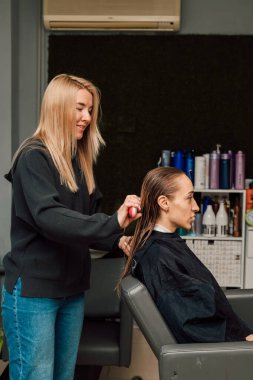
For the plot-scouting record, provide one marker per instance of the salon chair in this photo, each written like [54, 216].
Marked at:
[191, 361]
[107, 334]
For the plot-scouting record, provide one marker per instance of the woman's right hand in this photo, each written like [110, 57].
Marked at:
[249, 338]
[123, 217]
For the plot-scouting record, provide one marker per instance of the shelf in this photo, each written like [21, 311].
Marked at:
[219, 191]
[200, 237]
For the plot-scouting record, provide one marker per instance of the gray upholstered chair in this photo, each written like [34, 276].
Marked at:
[107, 335]
[192, 361]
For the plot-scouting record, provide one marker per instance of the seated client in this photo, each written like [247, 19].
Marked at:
[185, 292]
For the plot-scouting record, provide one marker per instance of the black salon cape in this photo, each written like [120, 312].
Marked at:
[186, 293]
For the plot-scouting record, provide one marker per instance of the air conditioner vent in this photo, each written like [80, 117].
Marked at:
[161, 15]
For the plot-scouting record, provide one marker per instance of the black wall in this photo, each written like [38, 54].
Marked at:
[161, 91]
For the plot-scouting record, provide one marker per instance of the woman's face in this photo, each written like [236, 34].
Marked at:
[84, 105]
[182, 207]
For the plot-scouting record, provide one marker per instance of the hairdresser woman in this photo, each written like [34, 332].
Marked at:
[54, 221]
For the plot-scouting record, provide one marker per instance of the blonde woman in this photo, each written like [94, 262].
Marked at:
[54, 222]
[186, 293]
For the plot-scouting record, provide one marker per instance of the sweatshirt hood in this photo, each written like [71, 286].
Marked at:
[33, 144]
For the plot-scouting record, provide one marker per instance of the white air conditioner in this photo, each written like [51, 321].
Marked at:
[143, 15]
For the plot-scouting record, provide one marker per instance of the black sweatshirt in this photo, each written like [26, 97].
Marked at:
[52, 229]
[186, 293]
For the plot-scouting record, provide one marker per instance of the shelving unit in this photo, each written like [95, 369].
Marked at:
[224, 257]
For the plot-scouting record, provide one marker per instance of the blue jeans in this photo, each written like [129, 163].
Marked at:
[42, 335]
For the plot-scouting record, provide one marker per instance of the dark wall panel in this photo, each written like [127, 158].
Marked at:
[158, 92]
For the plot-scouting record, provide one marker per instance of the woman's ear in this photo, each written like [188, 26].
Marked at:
[163, 203]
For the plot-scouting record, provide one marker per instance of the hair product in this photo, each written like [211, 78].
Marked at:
[237, 215]
[165, 158]
[172, 158]
[239, 170]
[199, 172]
[249, 199]
[198, 224]
[224, 171]
[207, 157]
[214, 170]
[189, 166]
[179, 160]
[232, 169]
[208, 222]
[221, 221]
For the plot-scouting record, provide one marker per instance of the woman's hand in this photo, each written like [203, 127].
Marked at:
[125, 244]
[249, 338]
[123, 217]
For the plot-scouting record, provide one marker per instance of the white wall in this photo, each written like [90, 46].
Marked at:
[21, 78]
[5, 121]
[216, 17]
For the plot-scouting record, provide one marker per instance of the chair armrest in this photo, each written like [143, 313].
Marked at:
[241, 301]
[209, 361]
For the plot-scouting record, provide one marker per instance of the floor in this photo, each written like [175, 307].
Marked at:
[144, 363]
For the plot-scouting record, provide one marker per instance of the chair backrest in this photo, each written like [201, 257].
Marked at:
[107, 335]
[146, 314]
[101, 300]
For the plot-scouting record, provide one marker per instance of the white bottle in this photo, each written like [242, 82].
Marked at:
[208, 222]
[221, 221]
[199, 172]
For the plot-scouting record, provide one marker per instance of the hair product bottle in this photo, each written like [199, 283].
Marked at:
[249, 199]
[224, 171]
[199, 172]
[207, 157]
[221, 221]
[239, 170]
[237, 217]
[165, 158]
[179, 160]
[232, 169]
[189, 165]
[214, 168]
[208, 222]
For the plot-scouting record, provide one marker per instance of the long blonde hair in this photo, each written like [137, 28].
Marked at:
[56, 129]
[157, 182]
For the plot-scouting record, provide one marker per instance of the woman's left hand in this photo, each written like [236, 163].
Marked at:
[125, 244]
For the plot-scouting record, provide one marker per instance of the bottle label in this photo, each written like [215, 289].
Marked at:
[221, 230]
[208, 229]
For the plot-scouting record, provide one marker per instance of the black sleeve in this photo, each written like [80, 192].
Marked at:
[43, 210]
[110, 243]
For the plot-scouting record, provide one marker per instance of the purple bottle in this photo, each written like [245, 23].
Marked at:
[239, 170]
[214, 170]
